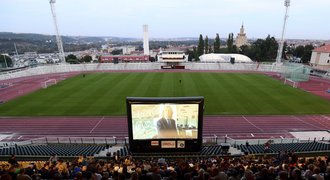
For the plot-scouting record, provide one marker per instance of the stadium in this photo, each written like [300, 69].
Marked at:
[220, 116]
[125, 112]
[84, 105]
[79, 110]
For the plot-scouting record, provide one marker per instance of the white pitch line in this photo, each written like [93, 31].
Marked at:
[96, 124]
[252, 124]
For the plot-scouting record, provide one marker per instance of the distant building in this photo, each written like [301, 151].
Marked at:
[224, 58]
[128, 49]
[136, 52]
[321, 57]
[124, 58]
[241, 38]
[172, 56]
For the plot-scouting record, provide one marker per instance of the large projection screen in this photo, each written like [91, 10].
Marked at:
[165, 123]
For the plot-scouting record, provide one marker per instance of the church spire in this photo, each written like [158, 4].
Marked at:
[241, 38]
[242, 28]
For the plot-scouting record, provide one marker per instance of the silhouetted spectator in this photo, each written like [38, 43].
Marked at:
[12, 160]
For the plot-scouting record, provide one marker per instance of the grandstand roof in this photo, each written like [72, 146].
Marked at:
[323, 49]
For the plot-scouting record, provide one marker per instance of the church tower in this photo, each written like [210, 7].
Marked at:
[241, 38]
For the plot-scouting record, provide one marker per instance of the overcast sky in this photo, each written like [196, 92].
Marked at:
[308, 19]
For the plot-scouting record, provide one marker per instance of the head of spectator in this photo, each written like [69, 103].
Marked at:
[248, 175]
[296, 174]
[283, 175]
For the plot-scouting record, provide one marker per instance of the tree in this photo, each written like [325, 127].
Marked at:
[307, 53]
[216, 45]
[230, 43]
[190, 54]
[285, 47]
[87, 58]
[264, 49]
[299, 51]
[200, 47]
[5, 61]
[234, 49]
[117, 52]
[152, 59]
[244, 49]
[195, 53]
[271, 46]
[261, 49]
[72, 59]
[206, 45]
[71, 56]
[304, 52]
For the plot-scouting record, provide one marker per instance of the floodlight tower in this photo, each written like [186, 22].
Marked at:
[58, 37]
[280, 47]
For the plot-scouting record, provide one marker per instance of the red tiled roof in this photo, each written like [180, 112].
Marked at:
[323, 49]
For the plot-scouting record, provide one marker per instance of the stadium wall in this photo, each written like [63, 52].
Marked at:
[64, 68]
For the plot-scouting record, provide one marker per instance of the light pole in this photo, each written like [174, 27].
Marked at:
[280, 47]
[58, 37]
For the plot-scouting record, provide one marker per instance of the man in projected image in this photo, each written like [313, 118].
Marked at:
[166, 125]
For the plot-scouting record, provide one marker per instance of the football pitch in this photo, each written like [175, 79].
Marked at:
[104, 94]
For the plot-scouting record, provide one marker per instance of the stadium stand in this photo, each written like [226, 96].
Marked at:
[73, 150]
[66, 68]
[296, 147]
[58, 149]
[285, 165]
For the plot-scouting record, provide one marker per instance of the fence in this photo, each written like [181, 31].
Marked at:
[64, 68]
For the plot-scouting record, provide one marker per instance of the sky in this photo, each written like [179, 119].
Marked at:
[308, 19]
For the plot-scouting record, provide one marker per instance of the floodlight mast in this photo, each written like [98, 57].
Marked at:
[58, 37]
[280, 47]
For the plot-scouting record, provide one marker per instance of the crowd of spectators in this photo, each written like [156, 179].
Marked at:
[283, 166]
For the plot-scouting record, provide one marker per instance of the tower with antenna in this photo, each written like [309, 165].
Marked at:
[280, 47]
[58, 37]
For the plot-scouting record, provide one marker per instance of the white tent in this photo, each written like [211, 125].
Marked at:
[224, 58]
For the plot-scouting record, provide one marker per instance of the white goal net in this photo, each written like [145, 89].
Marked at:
[49, 82]
[291, 82]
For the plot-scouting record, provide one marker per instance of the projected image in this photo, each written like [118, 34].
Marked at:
[161, 121]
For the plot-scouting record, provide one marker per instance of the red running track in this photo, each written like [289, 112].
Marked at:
[236, 127]
[317, 86]
[25, 85]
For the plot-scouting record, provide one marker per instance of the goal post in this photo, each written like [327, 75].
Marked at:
[291, 82]
[295, 72]
[49, 82]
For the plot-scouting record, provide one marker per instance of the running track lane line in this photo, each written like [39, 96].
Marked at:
[252, 124]
[326, 117]
[316, 120]
[96, 124]
[317, 127]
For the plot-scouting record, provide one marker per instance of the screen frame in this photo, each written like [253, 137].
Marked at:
[192, 144]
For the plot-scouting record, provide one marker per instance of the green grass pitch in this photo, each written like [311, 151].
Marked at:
[104, 94]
